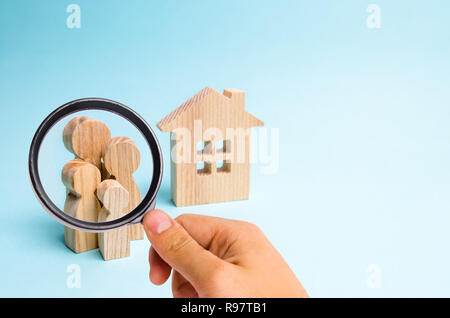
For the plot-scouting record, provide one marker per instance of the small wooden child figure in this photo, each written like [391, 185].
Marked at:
[121, 159]
[81, 180]
[115, 243]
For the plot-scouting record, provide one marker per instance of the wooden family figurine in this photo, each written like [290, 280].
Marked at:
[100, 186]
[121, 159]
[114, 197]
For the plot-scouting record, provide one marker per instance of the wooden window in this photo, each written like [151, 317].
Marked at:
[203, 168]
[204, 147]
[223, 146]
[223, 166]
[216, 157]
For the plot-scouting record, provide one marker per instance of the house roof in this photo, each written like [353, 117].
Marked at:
[197, 98]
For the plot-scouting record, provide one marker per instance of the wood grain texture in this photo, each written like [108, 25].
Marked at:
[222, 113]
[121, 159]
[81, 180]
[86, 138]
[115, 243]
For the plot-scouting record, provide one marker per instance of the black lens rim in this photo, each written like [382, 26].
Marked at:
[106, 105]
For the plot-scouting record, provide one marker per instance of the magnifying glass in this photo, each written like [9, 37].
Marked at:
[102, 108]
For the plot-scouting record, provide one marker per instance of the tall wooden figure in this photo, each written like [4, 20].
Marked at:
[121, 159]
[114, 197]
[85, 138]
[81, 180]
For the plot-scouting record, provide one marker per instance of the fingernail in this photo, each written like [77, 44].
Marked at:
[157, 221]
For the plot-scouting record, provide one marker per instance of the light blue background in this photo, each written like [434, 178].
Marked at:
[363, 116]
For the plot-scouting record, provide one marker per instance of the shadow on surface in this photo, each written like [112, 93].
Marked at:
[45, 235]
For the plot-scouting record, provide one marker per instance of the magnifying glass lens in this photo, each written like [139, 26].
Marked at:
[95, 165]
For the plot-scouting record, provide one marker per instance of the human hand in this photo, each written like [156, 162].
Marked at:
[215, 257]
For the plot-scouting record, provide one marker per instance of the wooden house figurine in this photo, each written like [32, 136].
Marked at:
[210, 147]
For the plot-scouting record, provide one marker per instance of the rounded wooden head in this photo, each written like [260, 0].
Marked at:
[121, 156]
[113, 196]
[86, 138]
[80, 177]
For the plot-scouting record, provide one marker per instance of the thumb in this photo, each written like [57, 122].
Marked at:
[178, 249]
